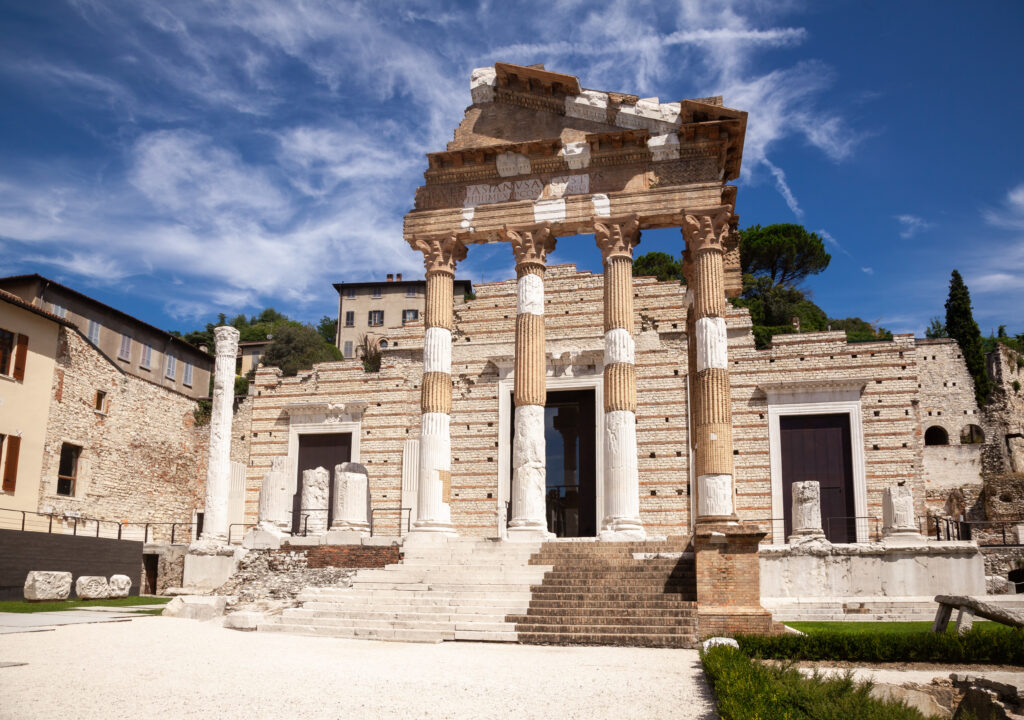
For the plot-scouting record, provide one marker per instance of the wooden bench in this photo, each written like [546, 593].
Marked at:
[967, 607]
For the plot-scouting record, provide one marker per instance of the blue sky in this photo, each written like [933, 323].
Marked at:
[181, 159]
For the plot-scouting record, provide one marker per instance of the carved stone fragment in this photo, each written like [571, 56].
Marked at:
[315, 493]
[120, 586]
[47, 585]
[92, 587]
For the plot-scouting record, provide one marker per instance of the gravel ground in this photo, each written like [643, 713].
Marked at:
[172, 668]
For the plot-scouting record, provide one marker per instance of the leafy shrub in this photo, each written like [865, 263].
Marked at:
[746, 690]
[204, 408]
[991, 645]
[1016, 386]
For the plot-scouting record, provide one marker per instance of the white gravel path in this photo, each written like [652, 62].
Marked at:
[172, 668]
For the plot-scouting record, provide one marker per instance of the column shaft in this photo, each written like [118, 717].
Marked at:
[616, 238]
[218, 475]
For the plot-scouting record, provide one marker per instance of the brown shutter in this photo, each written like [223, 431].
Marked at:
[11, 466]
[20, 355]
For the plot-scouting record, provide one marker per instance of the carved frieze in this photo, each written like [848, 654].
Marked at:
[440, 252]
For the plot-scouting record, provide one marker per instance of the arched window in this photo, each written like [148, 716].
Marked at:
[383, 344]
[971, 435]
[1017, 578]
[936, 435]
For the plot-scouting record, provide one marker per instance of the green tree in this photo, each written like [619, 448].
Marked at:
[659, 264]
[369, 351]
[785, 253]
[297, 347]
[936, 329]
[858, 330]
[328, 328]
[961, 327]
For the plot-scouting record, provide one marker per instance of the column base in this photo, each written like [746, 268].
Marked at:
[622, 530]
[529, 533]
[903, 537]
[433, 527]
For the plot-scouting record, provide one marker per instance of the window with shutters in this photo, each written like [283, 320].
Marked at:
[411, 291]
[350, 293]
[375, 318]
[147, 357]
[348, 349]
[59, 310]
[10, 446]
[187, 375]
[409, 316]
[67, 472]
[378, 291]
[350, 318]
[13, 354]
[101, 401]
[171, 371]
[125, 353]
[94, 332]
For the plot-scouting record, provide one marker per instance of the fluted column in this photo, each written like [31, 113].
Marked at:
[705, 232]
[616, 237]
[530, 244]
[218, 473]
[440, 255]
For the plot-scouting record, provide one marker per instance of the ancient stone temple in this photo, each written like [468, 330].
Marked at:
[563, 404]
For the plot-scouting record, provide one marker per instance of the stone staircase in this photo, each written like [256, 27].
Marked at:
[612, 593]
[459, 589]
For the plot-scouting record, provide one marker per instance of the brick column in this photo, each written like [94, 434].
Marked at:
[705, 231]
[616, 237]
[531, 244]
[218, 474]
[440, 255]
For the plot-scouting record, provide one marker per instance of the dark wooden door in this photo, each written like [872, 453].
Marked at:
[319, 450]
[817, 447]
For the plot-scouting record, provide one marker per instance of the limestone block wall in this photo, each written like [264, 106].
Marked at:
[139, 454]
[1004, 446]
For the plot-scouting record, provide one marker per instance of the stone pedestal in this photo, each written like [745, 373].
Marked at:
[806, 513]
[433, 513]
[531, 244]
[315, 498]
[898, 526]
[218, 476]
[351, 498]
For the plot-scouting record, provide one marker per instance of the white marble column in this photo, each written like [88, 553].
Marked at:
[351, 487]
[616, 237]
[433, 513]
[316, 484]
[218, 474]
[898, 516]
[530, 244]
[276, 492]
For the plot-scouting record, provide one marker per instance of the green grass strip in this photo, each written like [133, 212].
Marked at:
[748, 690]
[21, 606]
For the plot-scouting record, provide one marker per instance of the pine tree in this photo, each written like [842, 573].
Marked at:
[960, 326]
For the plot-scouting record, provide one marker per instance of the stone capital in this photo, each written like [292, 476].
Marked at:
[440, 252]
[706, 229]
[225, 339]
[530, 243]
[617, 236]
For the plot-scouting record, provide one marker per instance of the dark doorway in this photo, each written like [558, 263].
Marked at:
[817, 447]
[571, 462]
[151, 564]
[319, 450]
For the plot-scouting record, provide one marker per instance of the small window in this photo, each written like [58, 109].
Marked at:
[411, 291]
[10, 448]
[67, 473]
[383, 344]
[59, 311]
[94, 332]
[972, 435]
[347, 352]
[936, 435]
[187, 375]
[125, 353]
[375, 318]
[350, 318]
[350, 293]
[409, 316]
[6, 352]
[101, 401]
[172, 368]
[377, 291]
[147, 357]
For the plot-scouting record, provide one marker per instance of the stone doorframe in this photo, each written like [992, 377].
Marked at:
[586, 380]
[323, 418]
[829, 397]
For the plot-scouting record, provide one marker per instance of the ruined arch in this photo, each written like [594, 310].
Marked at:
[972, 435]
[936, 435]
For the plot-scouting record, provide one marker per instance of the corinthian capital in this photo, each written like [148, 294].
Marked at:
[530, 243]
[707, 229]
[225, 339]
[440, 252]
[617, 236]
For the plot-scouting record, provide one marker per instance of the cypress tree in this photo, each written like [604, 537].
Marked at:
[961, 327]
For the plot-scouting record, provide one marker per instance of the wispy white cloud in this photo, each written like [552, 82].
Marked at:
[911, 225]
[1011, 213]
[783, 187]
[867, 270]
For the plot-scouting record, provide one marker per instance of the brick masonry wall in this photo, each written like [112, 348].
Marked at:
[483, 351]
[347, 556]
[139, 457]
[23, 552]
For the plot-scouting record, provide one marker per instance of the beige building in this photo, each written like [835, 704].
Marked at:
[136, 347]
[375, 309]
[249, 354]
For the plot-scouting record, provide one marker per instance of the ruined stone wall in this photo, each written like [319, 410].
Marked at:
[139, 454]
[1004, 446]
[482, 357]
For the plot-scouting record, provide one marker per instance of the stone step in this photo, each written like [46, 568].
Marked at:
[384, 616]
[415, 596]
[612, 611]
[640, 595]
[622, 639]
[444, 626]
[482, 587]
[585, 628]
[672, 585]
[554, 622]
[428, 636]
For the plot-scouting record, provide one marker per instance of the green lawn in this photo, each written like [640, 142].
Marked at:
[866, 628]
[20, 606]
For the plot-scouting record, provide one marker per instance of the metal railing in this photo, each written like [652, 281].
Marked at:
[30, 521]
[989, 533]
